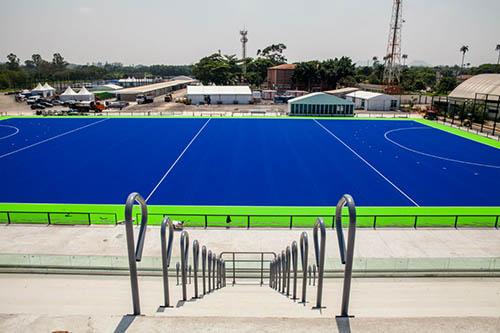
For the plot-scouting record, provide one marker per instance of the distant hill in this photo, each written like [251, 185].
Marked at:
[419, 63]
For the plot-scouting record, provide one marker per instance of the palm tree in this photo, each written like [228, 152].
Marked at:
[375, 60]
[464, 49]
[498, 49]
[405, 56]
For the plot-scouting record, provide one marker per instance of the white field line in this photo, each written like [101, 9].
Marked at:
[368, 163]
[52, 138]
[9, 135]
[431, 155]
[178, 159]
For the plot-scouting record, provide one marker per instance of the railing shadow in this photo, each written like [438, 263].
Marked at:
[125, 323]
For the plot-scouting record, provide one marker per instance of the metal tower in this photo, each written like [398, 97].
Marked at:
[392, 72]
[244, 41]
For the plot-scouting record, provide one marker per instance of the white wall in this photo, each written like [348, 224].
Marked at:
[225, 99]
[379, 103]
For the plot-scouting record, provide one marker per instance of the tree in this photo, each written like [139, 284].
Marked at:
[58, 61]
[497, 48]
[274, 53]
[375, 60]
[307, 74]
[37, 60]
[13, 62]
[217, 69]
[446, 84]
[464, 49]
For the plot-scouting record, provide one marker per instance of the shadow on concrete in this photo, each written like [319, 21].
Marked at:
[125, 323]
[343, 324]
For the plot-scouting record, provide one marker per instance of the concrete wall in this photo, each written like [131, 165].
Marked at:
[379, 103]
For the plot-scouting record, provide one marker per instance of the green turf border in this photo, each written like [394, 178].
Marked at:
[260, 216]
[274, 216]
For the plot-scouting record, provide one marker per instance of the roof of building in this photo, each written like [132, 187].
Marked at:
[152, 87]
[319, 98]
[341, 91]
[364, 94]
[479, 84]
[284, 66]
[219, 90]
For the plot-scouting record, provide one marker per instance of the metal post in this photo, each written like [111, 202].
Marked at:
[314, 275]
[310, 274]
[271, 274]
[203, 267]
[209, 263]
[234, 270]
[136, 256]
[196, 254]
[261, 269]
[294, 264]
[214, 272]
[288, 266]
[278, 266]
[189, 270]
[184, 262]
[166, 254]
[348, 201]
[319, 250]
[177, 268]
[304, 253]
[283, 269]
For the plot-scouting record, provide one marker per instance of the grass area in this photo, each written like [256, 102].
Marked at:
[216, 216]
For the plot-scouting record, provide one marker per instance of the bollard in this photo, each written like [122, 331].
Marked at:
[203, 266]
[294, 264]
[184, 262]
[209, 264]
[166, 254]
[319, 250]
[288, 266]
[304, 253]
[177, 267]
[196, 254]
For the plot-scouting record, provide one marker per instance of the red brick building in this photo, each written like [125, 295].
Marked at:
[280, 77]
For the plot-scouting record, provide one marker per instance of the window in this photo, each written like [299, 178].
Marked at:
[394, 103]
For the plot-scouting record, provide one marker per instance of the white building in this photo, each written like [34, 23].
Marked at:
[370, 101]
[320, 105]
[219, 94]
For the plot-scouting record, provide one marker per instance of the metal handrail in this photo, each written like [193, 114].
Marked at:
[209, 264]
[288, 267]
[304, 253]
[196, 254]
[184, 262]
[203, 267]
[166, 254]
[319, 250]
[348, 201]
[283, 268]
[294, 264]
[135, 256]
[232, 258]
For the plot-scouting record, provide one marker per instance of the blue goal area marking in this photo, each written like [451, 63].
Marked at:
[243, 162]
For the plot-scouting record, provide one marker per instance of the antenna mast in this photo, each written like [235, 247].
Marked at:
[392, 72]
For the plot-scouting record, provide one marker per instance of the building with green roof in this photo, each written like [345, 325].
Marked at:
[320, 104]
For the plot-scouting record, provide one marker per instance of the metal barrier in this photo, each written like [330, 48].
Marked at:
[184, 262]
[319, 251]
[283, 268]
[166, 254]
[214, 271]
[231, 257]
[209, 264]
[135, 256]
[196, 254]
[288, 266]
[177, 267]
[304, 253]
[348, 256]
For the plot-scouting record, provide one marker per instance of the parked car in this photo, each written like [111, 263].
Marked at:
[144, 99]
[37, 106]
[46, 104]
[117, 105]
[33, 99]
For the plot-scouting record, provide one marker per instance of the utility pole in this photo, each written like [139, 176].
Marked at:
[244, 41]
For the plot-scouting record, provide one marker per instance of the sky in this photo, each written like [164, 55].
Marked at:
[181, 32]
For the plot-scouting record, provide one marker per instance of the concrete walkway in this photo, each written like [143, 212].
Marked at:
[381, 243]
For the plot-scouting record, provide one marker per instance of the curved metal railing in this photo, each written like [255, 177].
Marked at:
[203, 267]
[294, 267]
[319, 251]
[135, 255]
[166, 254]
[196, 255]
[184, 262]
[304, 253]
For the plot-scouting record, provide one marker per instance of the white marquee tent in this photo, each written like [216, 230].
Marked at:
[46, 90]
[68, 95]
[85, 95]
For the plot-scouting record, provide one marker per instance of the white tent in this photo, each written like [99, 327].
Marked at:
[85, 95]
[48, 90]
[68, 95]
